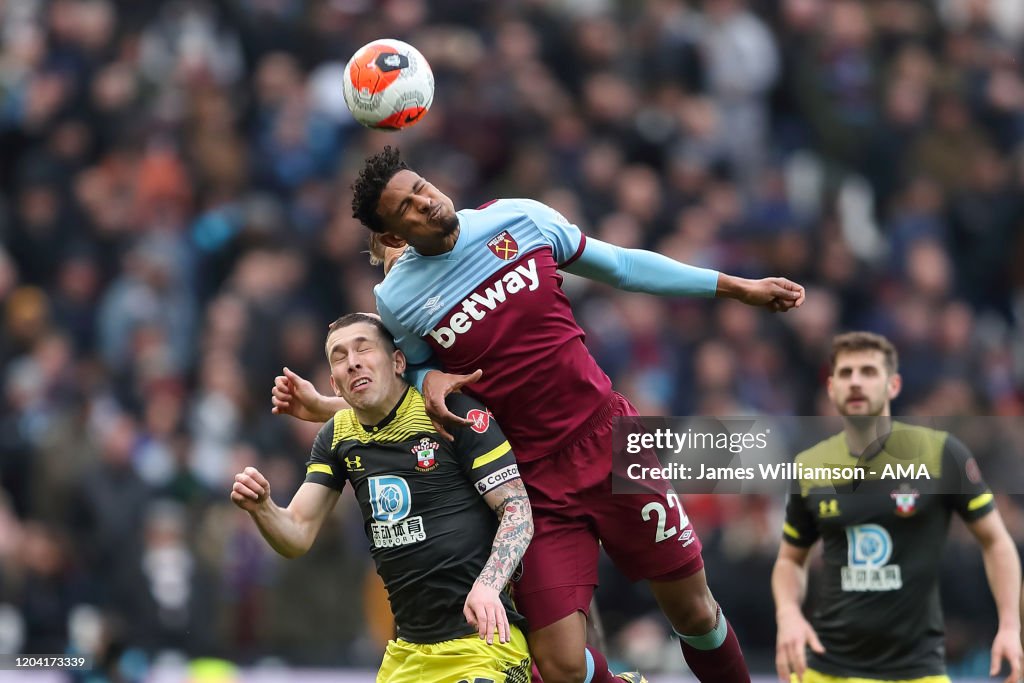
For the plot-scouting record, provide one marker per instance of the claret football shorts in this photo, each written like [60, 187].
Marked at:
[646, 534]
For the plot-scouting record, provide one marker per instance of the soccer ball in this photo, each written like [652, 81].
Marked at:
[388, 85]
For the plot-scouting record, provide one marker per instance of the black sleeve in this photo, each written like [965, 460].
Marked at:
[322, 466]
[482, 449]
[800, 528]
[970, 497]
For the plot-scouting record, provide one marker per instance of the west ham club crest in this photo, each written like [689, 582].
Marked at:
[504, 246]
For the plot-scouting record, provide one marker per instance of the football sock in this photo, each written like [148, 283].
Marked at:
[597, 668]
[715, 657]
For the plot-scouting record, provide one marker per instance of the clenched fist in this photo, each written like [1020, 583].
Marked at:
[251, 489]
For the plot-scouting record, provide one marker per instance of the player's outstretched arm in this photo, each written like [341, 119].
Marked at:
[1002, 566]
[296, 396]
[290, 531]
[789, 585]
[483, 606]
[638, 270]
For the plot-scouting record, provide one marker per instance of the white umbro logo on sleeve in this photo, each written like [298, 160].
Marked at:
[433, 303]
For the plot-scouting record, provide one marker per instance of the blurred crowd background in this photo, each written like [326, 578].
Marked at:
[175, 227]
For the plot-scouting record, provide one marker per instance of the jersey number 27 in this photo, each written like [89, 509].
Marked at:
[659, 511]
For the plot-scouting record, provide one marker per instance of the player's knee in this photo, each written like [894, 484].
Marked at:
[699, 614]
[562, 667]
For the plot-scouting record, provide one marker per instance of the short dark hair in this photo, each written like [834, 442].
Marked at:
[864, 341]
[367, 188]
[356, 318]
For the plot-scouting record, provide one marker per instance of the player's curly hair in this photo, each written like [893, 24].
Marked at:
[367, 188]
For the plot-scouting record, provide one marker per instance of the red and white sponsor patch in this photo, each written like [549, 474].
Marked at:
[481, 420]
[973, 473]
[504, 246]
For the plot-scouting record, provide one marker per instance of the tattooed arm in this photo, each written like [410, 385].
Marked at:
[515, 529]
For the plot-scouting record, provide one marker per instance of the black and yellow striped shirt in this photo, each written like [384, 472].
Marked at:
[878, 612]
[430, 531]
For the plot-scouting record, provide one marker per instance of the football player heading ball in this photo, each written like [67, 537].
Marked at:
[480, 289]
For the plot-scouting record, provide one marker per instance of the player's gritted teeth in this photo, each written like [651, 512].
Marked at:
[359, 384]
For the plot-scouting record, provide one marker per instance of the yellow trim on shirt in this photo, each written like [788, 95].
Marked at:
[979, 502]
[492, 455]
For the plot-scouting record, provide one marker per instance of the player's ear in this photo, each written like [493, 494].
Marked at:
[895, 385]
[830, 389]
[400, 362]
[334, 386]
[392, 240]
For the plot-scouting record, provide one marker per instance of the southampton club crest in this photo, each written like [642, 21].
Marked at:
[425, 451]
[504, 246]
[906, 500]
